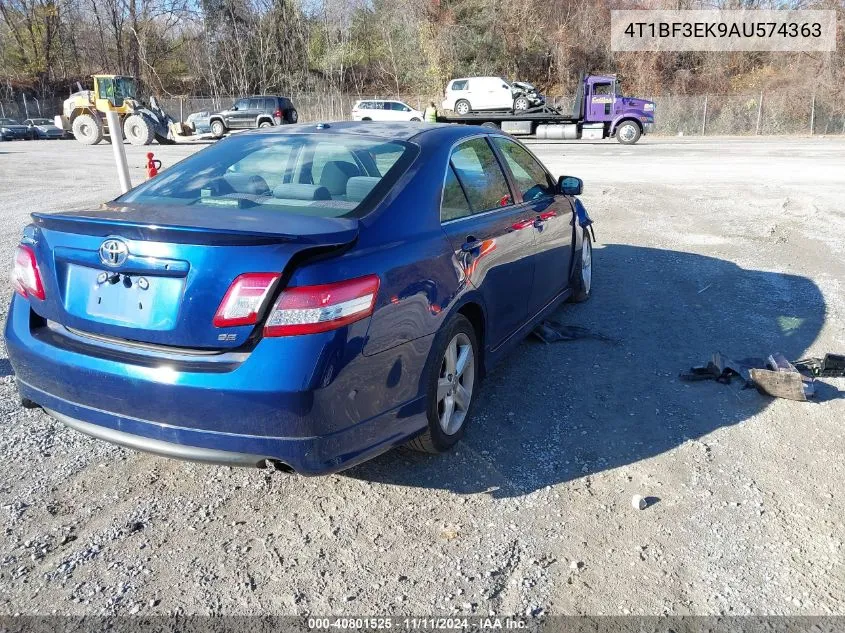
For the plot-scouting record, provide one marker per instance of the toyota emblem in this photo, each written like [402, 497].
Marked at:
[113, 252]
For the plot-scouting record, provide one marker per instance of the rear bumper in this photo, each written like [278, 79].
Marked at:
[314, 404]
[158, 447]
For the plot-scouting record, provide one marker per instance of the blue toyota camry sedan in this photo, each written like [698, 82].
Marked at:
[304, 297]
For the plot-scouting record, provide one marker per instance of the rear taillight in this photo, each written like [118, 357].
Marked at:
[278, 114]
[243, 299]
[312, 309]
[27, 276]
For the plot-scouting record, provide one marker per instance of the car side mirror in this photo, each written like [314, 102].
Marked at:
[570, 185]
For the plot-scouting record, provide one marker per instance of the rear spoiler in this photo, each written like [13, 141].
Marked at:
[192, 225]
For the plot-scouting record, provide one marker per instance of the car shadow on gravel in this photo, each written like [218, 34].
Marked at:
[554, 413]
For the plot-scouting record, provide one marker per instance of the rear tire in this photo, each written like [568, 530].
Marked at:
[265, 124]
[416, 119]
[628, 133]
[217, 128]
[462, 107]
[292, 116]
[583, 283]
[88, 129]
[452, 381]
[137, 130]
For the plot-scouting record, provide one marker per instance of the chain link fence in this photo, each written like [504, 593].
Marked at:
[744, 115]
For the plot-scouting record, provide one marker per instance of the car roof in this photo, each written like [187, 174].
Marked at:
[388, 130]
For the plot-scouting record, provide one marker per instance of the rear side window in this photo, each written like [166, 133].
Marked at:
[480, 175]
[530, 177]
[455, 204]
[256, 104]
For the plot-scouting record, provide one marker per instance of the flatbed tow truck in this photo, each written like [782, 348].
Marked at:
[598, 112]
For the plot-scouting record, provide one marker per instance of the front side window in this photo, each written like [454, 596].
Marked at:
[480, 175]
[241, 104]
[340, 176]
[459, 85]
[530, 177]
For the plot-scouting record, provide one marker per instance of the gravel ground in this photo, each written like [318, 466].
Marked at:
[727, 244]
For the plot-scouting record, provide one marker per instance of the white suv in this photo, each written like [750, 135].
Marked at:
[478, 93]
[384, 110]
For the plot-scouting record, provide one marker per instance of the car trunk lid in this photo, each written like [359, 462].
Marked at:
[158, 274]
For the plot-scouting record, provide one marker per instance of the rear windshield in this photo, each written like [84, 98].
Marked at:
[325, 175]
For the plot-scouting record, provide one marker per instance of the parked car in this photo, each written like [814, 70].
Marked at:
[253, 112]
[526, 96]
[43, 128]
[199, 122]
[270, 300]
[473, 94]
[11, 130]
[384, 110]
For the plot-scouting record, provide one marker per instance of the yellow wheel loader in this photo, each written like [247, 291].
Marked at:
[84, 113]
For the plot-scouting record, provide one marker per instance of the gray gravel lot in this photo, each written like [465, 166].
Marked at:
[728, 244]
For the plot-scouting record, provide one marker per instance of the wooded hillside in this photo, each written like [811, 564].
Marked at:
[234, 47]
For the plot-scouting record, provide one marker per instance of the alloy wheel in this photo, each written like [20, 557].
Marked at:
[455, 383]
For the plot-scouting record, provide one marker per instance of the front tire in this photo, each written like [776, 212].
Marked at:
[462, 107]
[583, 284]
[88, 129]
[453, 378]
[521, 103]
[628, 133]
[138, 130]
[217, 128]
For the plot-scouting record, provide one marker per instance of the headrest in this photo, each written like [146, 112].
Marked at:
[247, 183]
[358, 187]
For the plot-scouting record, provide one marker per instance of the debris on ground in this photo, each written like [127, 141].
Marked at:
[553, 332]
[723, 369]
[782, 380]
[639, 503]
[831, 366]
[774, 376]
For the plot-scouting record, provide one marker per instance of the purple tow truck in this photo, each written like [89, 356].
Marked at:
[599, 111]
